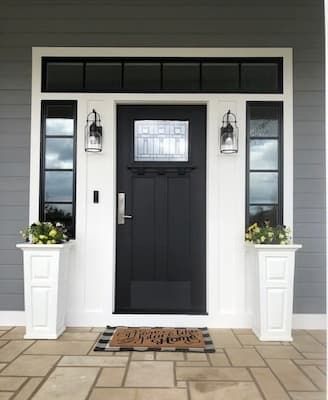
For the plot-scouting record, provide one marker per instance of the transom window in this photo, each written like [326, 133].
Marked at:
[174, 75]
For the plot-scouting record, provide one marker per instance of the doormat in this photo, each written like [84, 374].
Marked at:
[155, 339]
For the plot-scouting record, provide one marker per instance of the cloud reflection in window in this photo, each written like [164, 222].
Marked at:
[58, 186]
[59, 126]
[263, 187]
[264, 154]
[59, 153]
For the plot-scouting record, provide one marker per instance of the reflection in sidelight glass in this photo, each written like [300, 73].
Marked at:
[59, 153]
[59, 127]
[59, 213]
[263, 154]
[263, 188]
[157, 140]
[264, 128]
[260, 213]
[58, 186]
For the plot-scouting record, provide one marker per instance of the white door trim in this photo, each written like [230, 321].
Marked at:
[92, 295]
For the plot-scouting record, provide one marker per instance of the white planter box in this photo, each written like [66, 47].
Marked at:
[45, 289]
[271, 268]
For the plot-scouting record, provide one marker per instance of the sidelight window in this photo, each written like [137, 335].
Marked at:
[57, 174]
[264, 163]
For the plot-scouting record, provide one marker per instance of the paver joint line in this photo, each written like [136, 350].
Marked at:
[242, 366]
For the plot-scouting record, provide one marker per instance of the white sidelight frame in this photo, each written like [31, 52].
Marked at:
[92, 272]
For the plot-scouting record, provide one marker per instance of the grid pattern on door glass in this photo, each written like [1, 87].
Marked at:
[58, 136]
[160, 140]
[264, 161]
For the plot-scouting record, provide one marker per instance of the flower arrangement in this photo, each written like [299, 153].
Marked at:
[267, 234]
[45, 233]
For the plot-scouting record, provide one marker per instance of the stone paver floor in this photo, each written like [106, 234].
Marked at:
[243, 368]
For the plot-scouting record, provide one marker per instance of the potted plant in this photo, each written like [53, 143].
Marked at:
[271, 264]
[45, 255]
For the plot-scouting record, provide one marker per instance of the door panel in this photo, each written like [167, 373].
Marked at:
[160, 252]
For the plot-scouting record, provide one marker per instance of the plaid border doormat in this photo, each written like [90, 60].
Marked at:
[104, 343]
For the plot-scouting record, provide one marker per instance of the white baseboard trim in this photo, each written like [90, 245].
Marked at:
[309, 321]
[300, 321]
[12, 318]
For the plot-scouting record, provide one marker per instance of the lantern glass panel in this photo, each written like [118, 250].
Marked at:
[229, 140]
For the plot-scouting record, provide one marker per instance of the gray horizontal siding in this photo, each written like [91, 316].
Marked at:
[187, 23]
[12, 301]
[11, 272]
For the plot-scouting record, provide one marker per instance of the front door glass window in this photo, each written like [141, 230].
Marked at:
[160, 140]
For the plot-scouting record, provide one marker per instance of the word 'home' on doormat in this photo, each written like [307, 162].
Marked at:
[155, 339]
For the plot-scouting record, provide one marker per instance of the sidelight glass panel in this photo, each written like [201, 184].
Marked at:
[157, 140]
[59, 153]
[58, 186]
[59, 127]
[263, 188]
[263, 154]
[264, 120]
[260, 213]
[62, 213]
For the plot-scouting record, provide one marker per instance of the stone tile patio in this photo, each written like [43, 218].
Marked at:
[242, 368]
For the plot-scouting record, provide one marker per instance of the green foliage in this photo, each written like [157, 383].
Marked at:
[267, 234]
[45, 233]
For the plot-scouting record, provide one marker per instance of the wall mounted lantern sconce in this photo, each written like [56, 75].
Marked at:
[93, 133]
[229, 134]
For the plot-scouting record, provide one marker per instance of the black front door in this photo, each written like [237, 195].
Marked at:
[161, 209]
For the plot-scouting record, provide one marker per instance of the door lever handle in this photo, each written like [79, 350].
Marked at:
[121, 217]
